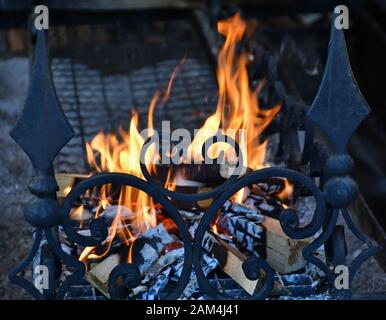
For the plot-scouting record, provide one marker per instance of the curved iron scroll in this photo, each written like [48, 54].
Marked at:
[43, 130]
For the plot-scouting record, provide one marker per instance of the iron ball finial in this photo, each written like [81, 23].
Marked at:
[43, 213]
[341, 191]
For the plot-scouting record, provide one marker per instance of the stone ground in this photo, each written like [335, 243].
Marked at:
[15, 173]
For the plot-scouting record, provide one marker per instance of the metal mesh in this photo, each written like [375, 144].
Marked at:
[102, 71]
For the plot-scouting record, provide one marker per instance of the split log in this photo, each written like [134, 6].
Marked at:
[153, 252]
[204, 174]
[17, 40]
[98, 276]
[228, 169]
[263, 236]
[231, 260]
[66, 181]
[283, 253]
[80, 214]
[204, 204]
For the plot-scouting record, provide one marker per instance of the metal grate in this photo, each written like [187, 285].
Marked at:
[101, 71]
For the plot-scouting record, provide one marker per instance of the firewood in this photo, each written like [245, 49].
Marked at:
[228, 169]
[66, 181]
[99, 274]
[244, 225]
[231, 261]
[17, 40]
[283, 253]
[202, 174]
[148, 253]
[204, 204]
[164, 261]
[263, 236]
[80, 214]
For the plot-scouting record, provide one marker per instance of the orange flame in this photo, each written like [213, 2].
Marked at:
[286, 192]
[237, 109]
[122, 154]
[238, 105]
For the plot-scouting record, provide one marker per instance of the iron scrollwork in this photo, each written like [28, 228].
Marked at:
[43, 130]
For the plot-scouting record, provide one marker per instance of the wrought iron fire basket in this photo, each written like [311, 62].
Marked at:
[42, 131]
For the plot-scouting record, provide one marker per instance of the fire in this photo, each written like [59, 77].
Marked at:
[238, 106]
[237, 109]
[286, 192]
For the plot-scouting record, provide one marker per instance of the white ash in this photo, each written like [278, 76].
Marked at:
[160, 282]
[150, 255]
[153, 284]
[177, 269]
[209, 264]
[192, 228]
[297, 279]
[260, 202]
[67, 249]
[85, 232]
[137, 290]
[245, 209]
[192, 220]
[207, 242]
[160, 233]
[246, 231]
[305, 208]
[110, 212]
[136, 225]
[165, 260]
[227, 205]
[191, 215]
[152, 252]
[323, 296]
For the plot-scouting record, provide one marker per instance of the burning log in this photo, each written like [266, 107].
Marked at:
[80, 214]
[204, 204]
[208, 174]
[228, 169]
[66, 181]
[154, 252]
[99, 274]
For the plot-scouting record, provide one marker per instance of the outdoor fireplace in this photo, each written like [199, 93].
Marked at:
[141, 231]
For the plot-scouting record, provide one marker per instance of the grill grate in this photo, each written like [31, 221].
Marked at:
[113, 67]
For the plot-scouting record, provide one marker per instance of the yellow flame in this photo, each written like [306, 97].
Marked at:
[237, 109]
